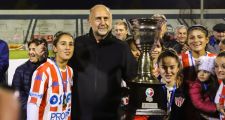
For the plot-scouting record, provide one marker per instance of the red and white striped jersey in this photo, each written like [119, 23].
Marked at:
[47, 92]
[220, 97]
[219, 93]
[189, 65]
[187, 60]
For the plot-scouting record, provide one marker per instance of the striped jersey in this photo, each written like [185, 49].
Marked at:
[188, 60]
[220, 97]
[51, 91]
[188, 63]
[220, 94]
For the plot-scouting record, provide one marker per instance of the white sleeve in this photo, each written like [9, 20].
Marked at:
[218, 93]
[32, 111]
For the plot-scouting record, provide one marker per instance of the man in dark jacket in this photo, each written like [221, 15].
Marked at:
[23, 75]
[216, 38]
[100, 63]
[4, 61]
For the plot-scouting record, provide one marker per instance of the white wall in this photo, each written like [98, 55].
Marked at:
[13, 64]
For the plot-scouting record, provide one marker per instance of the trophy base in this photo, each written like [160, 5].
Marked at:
[150, 112]
[147, 99]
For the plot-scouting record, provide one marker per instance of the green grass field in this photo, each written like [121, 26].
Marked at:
[21, 54]
[18, 54]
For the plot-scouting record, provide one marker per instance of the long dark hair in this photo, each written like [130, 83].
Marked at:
[212, 86]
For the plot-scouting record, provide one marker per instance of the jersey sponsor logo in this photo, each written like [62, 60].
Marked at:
[68, 98]
[60, 115]
[56, 99]
[33, 94]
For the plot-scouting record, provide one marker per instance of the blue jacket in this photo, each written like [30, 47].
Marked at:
[22, 82]
[4, 61]
[213, 45]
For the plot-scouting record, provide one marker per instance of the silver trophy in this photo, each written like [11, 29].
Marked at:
[147, 96]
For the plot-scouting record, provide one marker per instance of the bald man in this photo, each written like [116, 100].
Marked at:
[100, 20]
[100, 63]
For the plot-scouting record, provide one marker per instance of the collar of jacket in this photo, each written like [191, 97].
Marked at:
[107, 40]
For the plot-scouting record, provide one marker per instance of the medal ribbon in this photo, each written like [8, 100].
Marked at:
[172, 97]
[64, 83]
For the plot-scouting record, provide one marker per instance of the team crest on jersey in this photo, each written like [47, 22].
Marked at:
[179, 101]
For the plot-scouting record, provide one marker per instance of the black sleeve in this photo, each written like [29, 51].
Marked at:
[17, 79]
[130, 64]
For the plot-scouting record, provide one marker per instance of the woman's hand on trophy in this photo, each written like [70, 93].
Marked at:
[155, 72]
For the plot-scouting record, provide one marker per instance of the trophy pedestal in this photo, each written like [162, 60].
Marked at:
[147, 96]
[147, 99]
